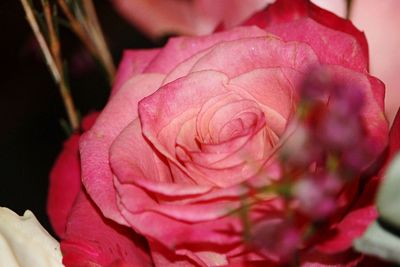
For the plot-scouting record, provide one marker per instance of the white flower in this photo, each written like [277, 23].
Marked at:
[25, 243]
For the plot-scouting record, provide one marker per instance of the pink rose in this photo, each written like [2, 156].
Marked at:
[190, 124]
[186, 17]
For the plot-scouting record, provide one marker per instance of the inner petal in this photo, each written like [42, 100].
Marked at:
[245, 111]
[231, 129]
[208, 110]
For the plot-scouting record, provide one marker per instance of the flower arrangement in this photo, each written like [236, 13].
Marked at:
[261, 142]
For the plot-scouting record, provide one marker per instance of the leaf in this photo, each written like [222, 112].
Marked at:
[388, 198]
[378, 240]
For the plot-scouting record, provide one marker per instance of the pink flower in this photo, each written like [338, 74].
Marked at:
[189, 127]
[162, 17]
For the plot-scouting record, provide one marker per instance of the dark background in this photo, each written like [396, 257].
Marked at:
[31, 108]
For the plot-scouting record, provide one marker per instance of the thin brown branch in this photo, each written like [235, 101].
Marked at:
[54, 42]
[88, 30]
[53, 58]
[77, 28]
[348, 8]
[30, 17]
[98, 38]
[69, 105]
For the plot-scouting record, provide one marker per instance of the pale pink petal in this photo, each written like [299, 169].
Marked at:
[207, 111]
[179, 49]
[380, 20]
[275, 90]
[188, 229]
[237, 57]
[147, 168]
[137, 202]
[161, 112]
[95, 144]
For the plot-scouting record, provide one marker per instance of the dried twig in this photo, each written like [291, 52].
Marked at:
[348, 8]
[42, 42]
[53, 57]
[77, 27]
[98, 37]
[54, 43]
[88, 30]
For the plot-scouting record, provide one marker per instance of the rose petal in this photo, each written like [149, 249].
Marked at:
[274, 89]
[181, 48]
[237, 57]
[325, 42]
[146, 169]
[160, 113]
[372, 111]
[65, 180]
[95, 144]
[65, 184]
[91, 239]
[185, 228]
[287, 12]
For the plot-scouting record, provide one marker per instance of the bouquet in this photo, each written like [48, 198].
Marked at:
[257, 136]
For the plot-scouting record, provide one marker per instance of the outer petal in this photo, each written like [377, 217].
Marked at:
[91, 239]
[181, 48]
[372, 111]
[346, 259]
[240, 56]
[285, 17]
[65, 184]
[65, 180]
[364, 211]
[195, 240]
[95, 144]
